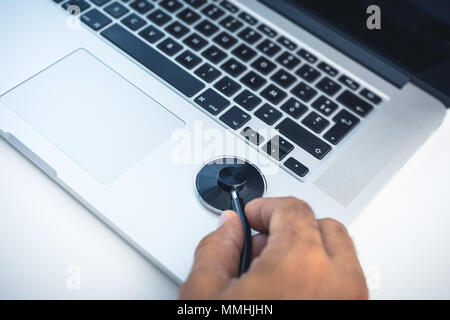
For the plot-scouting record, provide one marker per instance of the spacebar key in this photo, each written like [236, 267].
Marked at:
[303, 138]
[153, 60]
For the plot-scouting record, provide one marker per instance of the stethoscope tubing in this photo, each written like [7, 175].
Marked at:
[246, 254]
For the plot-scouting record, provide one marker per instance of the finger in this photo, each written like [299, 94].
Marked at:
[216, 260]
[259, 242]
[259, 211]
[337, 242]
[288, 221]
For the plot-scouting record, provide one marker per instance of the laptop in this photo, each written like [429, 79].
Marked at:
[121, 102]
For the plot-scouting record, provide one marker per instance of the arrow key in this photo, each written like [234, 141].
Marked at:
[296, 167]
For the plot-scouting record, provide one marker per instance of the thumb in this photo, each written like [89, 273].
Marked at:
[216, 259]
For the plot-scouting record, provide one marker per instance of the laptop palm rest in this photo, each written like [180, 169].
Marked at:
[96, 117]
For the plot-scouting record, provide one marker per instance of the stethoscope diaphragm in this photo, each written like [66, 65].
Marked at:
[211, 191]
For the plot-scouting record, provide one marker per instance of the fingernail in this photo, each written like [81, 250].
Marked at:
[223, 218]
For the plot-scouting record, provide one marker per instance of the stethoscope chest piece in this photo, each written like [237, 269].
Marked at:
[215, 179]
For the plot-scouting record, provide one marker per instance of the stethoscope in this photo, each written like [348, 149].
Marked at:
[230, 183]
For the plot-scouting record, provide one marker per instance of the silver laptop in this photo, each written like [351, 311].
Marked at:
[121, 102]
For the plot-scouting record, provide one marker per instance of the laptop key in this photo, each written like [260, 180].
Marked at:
[248, 18]
[225, 40]
[315, 122]
[253, 80]
[288, 60]
[327, 69]
[296, 167]
[170, 46]
[195, 41]
[267, 30]
[227, 86]
[235, 118]
[206, 28]
[372, 97]
[247, 100]
[249, 35]
[98, 2]
[308, 73]
[355, 103]
[344, 123]
[159, 17]
[153, 60]
[151, 34]
[325, 106]
[303, 138]
[213, 12]
[346, 118]
[177, 30]
[283, 78]
[208, 73]
[304, 92]
[116, 10]
[142, 6]
[231, 23]
[212, 102]
[307, 56]
[195, 3]
[229, 6]
[352, 84]
[273, 94]
[252, 136]
[294, 108]
[244, 52]
[171, 5]
[268, 114]
[328, 86]
[233, 67]
[133, 21]
[214, 54]
[288, 44]
[95, 19]
[263, 65]
[189, 59]
[278, 148]
[269, 48]
[188, 16]
[81, 4]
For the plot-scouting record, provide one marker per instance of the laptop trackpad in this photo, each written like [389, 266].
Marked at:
[92, 114]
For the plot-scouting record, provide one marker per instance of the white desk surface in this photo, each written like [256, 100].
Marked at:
[47, 238]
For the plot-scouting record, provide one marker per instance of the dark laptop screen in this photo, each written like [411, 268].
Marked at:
[414, 35]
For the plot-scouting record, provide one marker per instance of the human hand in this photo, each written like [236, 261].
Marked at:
[295, 256]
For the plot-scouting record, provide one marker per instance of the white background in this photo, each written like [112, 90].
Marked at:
[46, 237]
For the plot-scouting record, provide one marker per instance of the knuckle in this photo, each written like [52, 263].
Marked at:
[300, 206]
[290, 230]
[313, 245]
[295, 205]
[334, 226]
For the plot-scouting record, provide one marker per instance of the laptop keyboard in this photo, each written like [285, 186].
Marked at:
[237, 68]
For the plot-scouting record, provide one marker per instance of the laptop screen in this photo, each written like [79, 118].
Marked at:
[414, 34]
